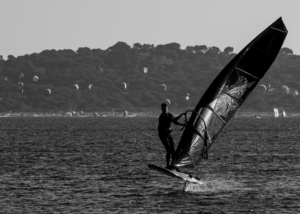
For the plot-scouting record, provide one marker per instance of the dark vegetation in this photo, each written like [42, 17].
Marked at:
[183, 71]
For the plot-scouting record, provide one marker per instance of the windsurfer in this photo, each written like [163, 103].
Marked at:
[165, 131]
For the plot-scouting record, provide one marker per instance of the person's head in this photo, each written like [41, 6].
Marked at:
[164, 107]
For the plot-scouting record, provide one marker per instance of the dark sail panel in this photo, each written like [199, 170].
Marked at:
[227, 93]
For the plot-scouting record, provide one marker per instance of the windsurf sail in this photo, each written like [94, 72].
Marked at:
[227, 93]
[283, 113]
[276, 112]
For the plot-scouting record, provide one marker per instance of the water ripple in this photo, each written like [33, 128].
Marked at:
[99, 165]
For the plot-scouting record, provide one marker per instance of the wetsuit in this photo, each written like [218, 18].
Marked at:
[164, 132]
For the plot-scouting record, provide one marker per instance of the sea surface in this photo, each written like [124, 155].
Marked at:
[99, 165]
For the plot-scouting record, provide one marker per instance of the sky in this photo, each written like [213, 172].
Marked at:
[31, 26]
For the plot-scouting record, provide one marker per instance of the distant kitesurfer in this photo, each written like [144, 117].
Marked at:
[164, 132]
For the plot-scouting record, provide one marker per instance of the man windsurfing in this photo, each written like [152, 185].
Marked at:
[165, 133]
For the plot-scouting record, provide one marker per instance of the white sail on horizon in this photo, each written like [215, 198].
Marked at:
[283, 113]
[276, 112]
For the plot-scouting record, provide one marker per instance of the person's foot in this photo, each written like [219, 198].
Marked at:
[176, 168]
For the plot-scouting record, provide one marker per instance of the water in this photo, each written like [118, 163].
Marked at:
[99, 165]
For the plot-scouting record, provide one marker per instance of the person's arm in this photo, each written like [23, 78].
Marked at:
[175, 120]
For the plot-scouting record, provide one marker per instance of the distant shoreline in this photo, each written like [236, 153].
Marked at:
[121, 114]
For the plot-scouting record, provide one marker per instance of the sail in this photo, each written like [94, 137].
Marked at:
[283, 113]
[227, 93]
[276, 112]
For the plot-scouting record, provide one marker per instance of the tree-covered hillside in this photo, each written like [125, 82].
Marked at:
[132, 78]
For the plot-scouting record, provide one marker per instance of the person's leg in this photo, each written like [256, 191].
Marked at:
[172, 150]
[166, 145]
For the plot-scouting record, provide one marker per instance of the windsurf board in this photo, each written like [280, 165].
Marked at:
[176, 174]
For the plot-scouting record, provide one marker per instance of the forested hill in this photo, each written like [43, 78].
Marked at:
[132, 78]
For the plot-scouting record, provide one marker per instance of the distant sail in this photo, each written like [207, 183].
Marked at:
[145, 70]
[276, 112]
[265, 88]
[283, 113]
[227, 93]
[187, 97]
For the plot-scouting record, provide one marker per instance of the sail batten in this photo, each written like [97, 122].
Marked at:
[263, 52]
[210, 108]
[238, 100]
[227, 93]
[279, 30]
[247, 73]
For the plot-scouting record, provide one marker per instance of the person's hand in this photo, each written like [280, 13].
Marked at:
[169, 131]
[179, 116]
